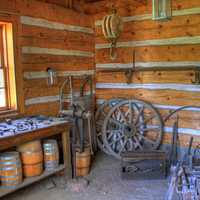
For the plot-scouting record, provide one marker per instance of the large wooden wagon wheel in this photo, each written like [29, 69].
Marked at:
[132, 125]
[100, 116]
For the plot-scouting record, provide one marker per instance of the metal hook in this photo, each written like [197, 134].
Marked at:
[196, 78]
[113, 53]
[130, 72]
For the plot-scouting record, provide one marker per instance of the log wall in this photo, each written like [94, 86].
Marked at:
[49, 36]
[172, 43]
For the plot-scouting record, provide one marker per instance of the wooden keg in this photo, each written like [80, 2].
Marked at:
[33, 170]
[51, 154]
[10, 169]
[83, 161]
[32, 146]
[31, 152]
[32, 158]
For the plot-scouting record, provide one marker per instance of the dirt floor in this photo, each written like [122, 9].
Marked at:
[105, 183]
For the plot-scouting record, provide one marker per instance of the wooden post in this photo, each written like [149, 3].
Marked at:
[67, 154]
[69, 3]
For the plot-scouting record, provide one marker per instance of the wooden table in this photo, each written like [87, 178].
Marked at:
[63, 129]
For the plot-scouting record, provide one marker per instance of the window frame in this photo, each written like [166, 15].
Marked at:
[15, 106]
[5, 70]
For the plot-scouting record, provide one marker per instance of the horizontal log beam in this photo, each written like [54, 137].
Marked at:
[146, 65]
[189, 11]
[154, 42]
[59, 52]
[31, 21]
[149, 86]
[44, 74]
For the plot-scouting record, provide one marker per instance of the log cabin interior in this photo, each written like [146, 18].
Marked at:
[100, 99]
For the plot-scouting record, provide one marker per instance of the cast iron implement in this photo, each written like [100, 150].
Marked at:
[185, 178]
[79, 107]
[143, 164]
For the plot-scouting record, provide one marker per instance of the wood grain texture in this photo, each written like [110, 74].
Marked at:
[172, 43]
[167, 97]
[164, 77]
[31, 21]
[61, 39]
[164, 54]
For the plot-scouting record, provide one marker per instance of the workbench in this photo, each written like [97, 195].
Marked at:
[57, 127]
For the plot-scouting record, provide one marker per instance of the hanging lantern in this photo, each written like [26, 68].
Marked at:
[161, 9]
[112, 27]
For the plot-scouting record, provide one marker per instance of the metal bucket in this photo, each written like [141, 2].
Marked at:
[51, 154]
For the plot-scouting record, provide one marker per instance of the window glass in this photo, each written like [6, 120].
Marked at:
[2, 98]
[1, 79]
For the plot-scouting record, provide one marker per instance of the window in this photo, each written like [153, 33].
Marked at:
[7, 69]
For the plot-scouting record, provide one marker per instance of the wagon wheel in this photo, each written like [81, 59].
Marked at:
[100, 116]
[132, 125]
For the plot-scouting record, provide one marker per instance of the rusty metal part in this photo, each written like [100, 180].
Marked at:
[177, 110]
[196, 80]
[132, 125]
[174, 144]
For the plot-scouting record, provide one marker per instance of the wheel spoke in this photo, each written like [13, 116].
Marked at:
[123, 146]
[131, 113]
[138, 142]
[131, 144]
[117, 139]
[116, 122]
[122, 114]
[145, 121]
[139, 114]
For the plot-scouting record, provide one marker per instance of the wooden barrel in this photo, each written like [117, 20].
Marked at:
[32, 158]
[31, 153]
[33, 170]
[83, 161]
[51, 154]
[10, 169]
[32, 146]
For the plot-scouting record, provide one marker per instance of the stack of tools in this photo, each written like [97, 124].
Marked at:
[184, 173]
[32, 158]
[144, 164]
[10, 169]
[51, 154]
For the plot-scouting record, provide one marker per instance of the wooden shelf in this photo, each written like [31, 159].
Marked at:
[29, 181]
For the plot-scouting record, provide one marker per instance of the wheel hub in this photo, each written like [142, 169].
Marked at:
[130, 131]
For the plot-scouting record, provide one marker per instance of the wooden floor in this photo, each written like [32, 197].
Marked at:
[105, 184]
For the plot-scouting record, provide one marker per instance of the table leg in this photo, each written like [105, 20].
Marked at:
[67, 154]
